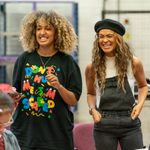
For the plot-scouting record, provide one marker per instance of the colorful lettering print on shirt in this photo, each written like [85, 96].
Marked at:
[39, 97]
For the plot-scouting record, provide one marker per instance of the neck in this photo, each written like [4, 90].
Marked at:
[46, 53]
[110, 57]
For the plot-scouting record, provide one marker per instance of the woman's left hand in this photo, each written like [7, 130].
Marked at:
[136, 111]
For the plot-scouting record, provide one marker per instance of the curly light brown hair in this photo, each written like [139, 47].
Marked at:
[123, 56]
[66, 39]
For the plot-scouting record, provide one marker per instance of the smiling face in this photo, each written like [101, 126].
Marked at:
[45, 33]
[107, 41]
[5, 120]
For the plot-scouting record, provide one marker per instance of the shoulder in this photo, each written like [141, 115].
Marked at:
[90, 79]
[136, 60]
[89, 69]
[66, 56]
[23, 55]
[8, 133]
[22, 58]
[67, 59]
[137, 64]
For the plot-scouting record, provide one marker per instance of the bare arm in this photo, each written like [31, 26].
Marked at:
[142, 86]
[67, 96]
[91, 93]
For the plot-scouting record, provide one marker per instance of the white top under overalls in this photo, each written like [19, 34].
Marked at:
[110, 75]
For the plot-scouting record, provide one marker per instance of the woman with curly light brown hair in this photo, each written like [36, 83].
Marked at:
[50, 81]
[110, 82]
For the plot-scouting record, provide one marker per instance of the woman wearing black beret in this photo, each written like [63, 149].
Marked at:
[110, 82]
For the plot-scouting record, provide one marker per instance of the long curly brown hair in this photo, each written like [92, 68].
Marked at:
[66, 39]
[123, 56]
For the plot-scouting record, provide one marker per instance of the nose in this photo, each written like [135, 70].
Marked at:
[105, 39]
[43, 31]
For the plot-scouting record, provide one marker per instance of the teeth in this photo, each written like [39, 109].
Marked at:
[43, 38]
[106, 46]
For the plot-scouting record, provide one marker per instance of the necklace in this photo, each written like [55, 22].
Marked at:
[44, 64]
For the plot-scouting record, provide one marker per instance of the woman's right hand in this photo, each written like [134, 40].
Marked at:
[96, 116]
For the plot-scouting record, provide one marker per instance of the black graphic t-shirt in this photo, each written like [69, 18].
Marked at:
[42, 119]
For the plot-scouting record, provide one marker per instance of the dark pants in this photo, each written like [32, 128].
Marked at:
[129, 136]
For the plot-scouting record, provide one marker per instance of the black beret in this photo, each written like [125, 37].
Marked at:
[110, 24]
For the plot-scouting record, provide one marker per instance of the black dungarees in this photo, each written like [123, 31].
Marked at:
[116, 124]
